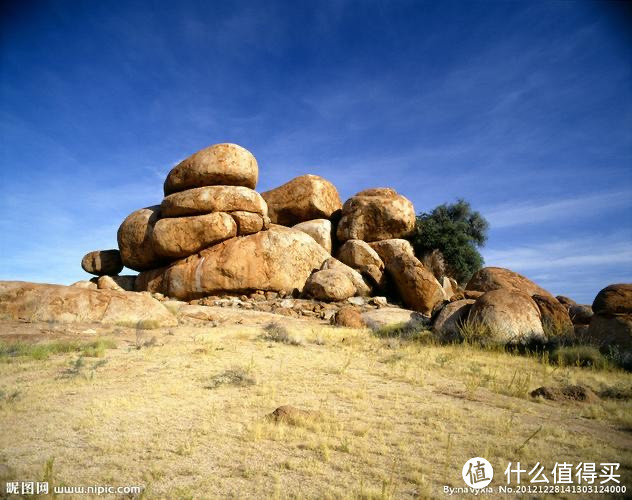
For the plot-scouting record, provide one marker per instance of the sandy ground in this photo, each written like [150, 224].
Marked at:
[181, 412]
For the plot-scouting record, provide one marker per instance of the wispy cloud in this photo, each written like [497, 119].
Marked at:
[535, 212]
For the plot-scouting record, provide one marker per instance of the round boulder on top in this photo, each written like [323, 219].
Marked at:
[376, 214]
[205, 200]
[280, 259]
[614, 299]
[221, 164]
[135, 240]
[102, 262]
[508, 316]
[304, 198]
[183, 236]
[494, 278]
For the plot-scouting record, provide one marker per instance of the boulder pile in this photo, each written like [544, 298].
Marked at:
[213, 235]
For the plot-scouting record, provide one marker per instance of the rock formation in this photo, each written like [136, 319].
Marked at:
[213, 235]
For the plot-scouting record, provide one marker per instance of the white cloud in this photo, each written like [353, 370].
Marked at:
[531, 212]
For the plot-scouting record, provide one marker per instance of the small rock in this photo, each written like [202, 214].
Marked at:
[378, 301]
[349, 317]
[356, 301]
[291, 415]
[566, 393]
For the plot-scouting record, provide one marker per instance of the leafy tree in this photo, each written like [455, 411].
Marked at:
[456, 231]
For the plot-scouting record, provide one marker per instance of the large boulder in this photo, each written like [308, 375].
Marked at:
[507, 316]
[280, 259]
[448, 322]
[303, 198]
[417, 286]
[614, 299]
[555, 317]
[221, 164]
[183, 236]
[361, 288]
[494, 278]
[388, 249]
[319, 229]
[135, 240]
[376, 214]
[34, 302]
[102, 262]
[205, 200]
[329, 285]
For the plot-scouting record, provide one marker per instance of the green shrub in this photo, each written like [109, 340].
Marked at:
[578, 355]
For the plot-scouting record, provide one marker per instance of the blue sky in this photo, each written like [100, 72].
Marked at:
[522, 108]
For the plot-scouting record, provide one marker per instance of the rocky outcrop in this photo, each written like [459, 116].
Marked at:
[329, 285]
[221, 164]
[565, 301]
[494, 278]
[102, 262]
[417, 286]
[206, 200]
[280, 259]
[448, 322]
[319, 229]
[376, 214]
[554, 316]
[135, 240]
[303, 198]
[183, 236]
[507, 316]
[66, 304]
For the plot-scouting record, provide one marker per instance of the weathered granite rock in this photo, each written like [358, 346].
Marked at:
[417, 286]
[494, 278]
[319, 229]
[388, 249]
[360, 285]
[125, 283]
[66, 304]
[280, 259]
[376, 214]
[509, 316]
[135, 240]
[449, 320]
[614, 299]
[205, 200]
[329, 285]
[555, 318]
[361, 257]
[101, 262]
[221, 164]
[249, 222]
[303, 198]
[183, 236]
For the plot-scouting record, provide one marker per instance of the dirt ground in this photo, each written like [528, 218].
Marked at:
[182, 411]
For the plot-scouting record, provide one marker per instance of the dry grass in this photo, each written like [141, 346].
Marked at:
[185, 416]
